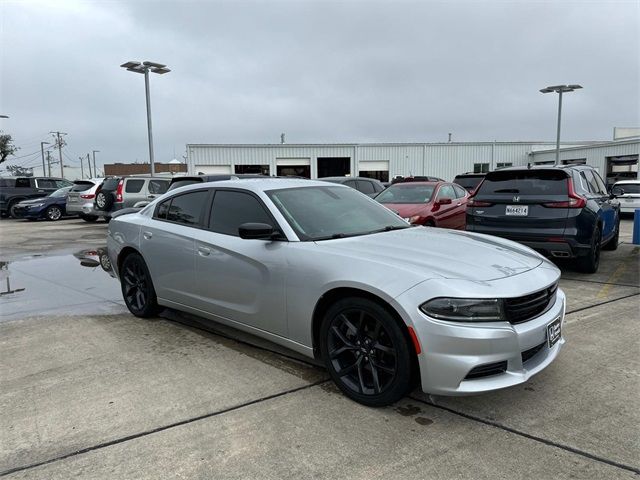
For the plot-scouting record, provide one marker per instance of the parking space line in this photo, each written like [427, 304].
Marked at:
[544, 441]
[602, 303]
[158, 429]
[600, 282]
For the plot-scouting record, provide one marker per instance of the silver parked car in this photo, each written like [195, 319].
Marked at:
[81, 197]
[332, 274]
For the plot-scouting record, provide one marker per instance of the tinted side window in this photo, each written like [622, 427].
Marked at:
[63, 183]
[366, 187]
[351, 183]
[187, 208]
[602, 187]
[460, 192]
[133, 186]
[446, 191]
[162, 210]
[158, 187]
[40, 182]
[593, 184]
[232, 209]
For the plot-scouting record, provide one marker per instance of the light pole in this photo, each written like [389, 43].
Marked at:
[95, 172]
[560, 89]
[42, 144]
[145, 68]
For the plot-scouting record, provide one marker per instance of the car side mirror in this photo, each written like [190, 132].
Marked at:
[255, 231]
[616, 192]
[445, 201]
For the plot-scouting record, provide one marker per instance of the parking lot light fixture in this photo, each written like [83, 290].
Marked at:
[560, 89]
[145, 68]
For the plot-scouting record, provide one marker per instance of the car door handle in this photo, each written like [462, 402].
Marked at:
[147, 235]
[204, 251]
[151, 196]
[459, 204]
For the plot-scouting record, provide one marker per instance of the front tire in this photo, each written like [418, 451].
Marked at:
[590, 262]
[366, 352]
[137, 287]
[53, 213]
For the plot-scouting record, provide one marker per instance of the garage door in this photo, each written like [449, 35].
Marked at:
[212, 169]
[293, 162]
[378, 169]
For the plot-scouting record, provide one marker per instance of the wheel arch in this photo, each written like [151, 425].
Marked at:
[337, 293]
[124, 253]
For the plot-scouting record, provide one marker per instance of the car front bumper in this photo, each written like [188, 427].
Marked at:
[450, 351]
[29, 212]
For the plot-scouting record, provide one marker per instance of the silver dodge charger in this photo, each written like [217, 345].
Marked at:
[330, 273]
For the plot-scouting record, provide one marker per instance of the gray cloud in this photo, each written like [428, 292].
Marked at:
[320, 71]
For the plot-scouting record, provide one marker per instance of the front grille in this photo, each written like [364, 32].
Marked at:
[529, 354]
[523, 309]
[487, 370]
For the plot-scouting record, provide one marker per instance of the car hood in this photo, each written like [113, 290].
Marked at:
[406, 210]
[34, 200]
[439, 253]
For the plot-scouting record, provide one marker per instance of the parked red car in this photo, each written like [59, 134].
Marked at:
[435, 204]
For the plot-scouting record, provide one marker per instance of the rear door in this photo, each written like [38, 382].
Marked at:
[156, 187]
[511, 204]
[461, 204]
[167, 243]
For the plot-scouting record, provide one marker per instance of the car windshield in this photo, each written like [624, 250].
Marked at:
[629, 187]
[322, 213]
[407, 193]
[61, 192]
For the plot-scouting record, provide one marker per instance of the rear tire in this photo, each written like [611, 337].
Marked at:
[366, 352]
[613, 243]
[590, 262]
[137, 287]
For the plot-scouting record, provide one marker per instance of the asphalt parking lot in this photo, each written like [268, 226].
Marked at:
[89, 391]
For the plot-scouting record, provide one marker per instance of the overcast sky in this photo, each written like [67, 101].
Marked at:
[323, 72]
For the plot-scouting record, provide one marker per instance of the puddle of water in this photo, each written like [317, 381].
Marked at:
[65, 284]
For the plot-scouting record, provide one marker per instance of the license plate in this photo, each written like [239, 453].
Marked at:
[554, 332]
[517, 210]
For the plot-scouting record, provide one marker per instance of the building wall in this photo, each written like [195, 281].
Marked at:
[444, 160]
[595, 154]
[117, 169]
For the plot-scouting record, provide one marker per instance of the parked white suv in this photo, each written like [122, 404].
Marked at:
[630, 199]
[81, 197]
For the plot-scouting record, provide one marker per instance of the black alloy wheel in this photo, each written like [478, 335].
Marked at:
[590, 262]
[366, 352]
[53, 213]
[137, 287]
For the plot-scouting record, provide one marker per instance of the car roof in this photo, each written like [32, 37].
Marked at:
[344, 179]
[420, 182]
[545, 167]
[471, 174]
[259, 184]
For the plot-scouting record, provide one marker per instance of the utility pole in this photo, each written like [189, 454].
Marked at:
[95, 172]
[48, 164]
[59, 144]
[81, 167]
[89, 163]
[42, 144]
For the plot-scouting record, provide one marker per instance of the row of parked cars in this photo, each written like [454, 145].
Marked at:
[563, 212]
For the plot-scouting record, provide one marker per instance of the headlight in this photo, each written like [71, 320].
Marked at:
[465, 309]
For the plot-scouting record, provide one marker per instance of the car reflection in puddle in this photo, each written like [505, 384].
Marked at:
[95, 258]
[81, 283]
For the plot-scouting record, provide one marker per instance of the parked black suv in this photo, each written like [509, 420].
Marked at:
[16, 189]
[559, 211]
[469, 181]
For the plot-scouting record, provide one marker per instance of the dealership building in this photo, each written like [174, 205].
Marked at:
[614, 159]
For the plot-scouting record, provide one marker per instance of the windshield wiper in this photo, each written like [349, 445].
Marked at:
[507, 190]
